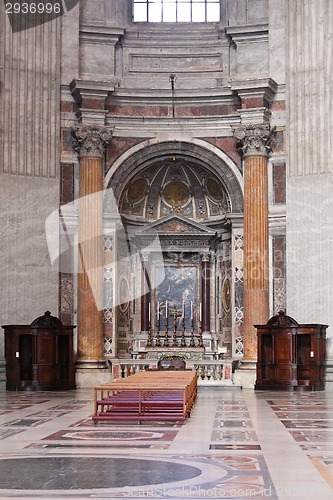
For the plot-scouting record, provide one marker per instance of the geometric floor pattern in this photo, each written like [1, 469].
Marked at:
[237, 444]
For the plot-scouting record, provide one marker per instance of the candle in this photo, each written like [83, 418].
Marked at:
[200, 312]
[149, 311]
[166, 309]
[158, 311]
[183, 308]
[191, 309]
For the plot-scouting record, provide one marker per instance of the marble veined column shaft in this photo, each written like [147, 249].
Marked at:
[254, 140]
[92, 141]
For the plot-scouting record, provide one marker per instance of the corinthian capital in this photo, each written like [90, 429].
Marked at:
[254, 139]
[91, 140]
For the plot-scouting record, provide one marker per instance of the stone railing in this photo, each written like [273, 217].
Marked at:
[210, 372]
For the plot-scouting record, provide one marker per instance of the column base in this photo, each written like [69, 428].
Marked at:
[246, 375]
[90, 373]
[3, 377]
[329, 374]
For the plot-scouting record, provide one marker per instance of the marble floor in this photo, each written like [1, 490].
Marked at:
[236, 444]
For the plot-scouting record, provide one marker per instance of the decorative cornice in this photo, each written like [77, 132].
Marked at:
[254, 140]
[90, 89]
[248, 33]
[265, 88]
[163, 228]
[100, 34]
[91, 140]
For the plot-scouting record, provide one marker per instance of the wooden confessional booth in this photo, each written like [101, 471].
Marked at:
[291, 356]
[39, 356]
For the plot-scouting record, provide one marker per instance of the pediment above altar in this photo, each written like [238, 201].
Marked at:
[175, 225]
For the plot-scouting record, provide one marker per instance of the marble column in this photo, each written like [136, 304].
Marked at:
[145, 292]
[255, 144]
[91, 141]
[205, 292]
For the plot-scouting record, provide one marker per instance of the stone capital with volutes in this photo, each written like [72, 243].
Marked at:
[145, 256]
[91, 140]
[255, 140]
[205, 257]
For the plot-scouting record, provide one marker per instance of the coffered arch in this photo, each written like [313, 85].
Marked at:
[193, 160]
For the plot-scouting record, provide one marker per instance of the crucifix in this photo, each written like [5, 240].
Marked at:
[176, 314]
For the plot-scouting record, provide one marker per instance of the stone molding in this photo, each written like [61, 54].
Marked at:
[91, 140]
[254, 140]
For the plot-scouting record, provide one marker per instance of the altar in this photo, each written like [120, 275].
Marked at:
[175, 341]
[176, 291]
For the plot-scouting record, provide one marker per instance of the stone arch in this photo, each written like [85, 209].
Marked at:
[198, 151]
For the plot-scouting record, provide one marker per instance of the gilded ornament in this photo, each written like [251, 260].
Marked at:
[176, 193]
[137, 190]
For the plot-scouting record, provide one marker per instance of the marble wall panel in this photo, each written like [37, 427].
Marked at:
[236, 12]
[279, 274]
[238, 288]
[309, 86]
[310, 250]
[252, 58]
[309, 168]
[257, 10]
[70, 45]
[29, 283]
[108, 290]
[66, 183]
[279, 182]
[277, 40]
[66, 298]
[240, 12]
[93, 11]
[116, 13]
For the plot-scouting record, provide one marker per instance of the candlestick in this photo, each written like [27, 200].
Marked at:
[192, 344]
[183, 342]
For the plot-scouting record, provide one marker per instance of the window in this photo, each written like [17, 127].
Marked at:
[176, 11]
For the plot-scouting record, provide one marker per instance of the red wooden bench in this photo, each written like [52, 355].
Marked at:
[156, 395]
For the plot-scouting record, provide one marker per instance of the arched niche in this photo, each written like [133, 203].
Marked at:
[214, 162]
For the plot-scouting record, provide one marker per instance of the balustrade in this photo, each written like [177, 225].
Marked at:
[210, 372]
